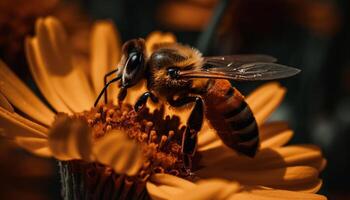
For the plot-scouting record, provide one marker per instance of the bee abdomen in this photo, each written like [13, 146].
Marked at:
[243, 125]
[232, 118]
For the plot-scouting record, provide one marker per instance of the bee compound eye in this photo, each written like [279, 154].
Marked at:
[134, 62]
[173, 72]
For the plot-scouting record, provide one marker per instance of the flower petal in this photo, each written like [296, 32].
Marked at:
[165, 186]
[157, 37]
[105, 55]
[270, 129]
[116, 150]
[171, 181]
[5, 104]
[262, 94]
[37, 146]
[265, 100]
[209, 189]
[69, 82]
[42, 79]
[70, 139]
[22, 97]
[296, 155]
[288, 176]
[278, 140]
[13, 125]
[308, 187]
[273, 194]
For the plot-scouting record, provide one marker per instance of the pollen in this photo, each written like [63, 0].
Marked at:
[159, 136]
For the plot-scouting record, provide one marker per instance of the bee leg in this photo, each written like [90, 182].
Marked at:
[122, 94]
[104, 89]
[105, 82]
[190, 136]
[193, 126]
[141, 102]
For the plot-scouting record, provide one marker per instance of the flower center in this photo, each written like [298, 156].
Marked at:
[160, 137]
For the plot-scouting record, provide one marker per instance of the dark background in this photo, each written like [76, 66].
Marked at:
[313, 35]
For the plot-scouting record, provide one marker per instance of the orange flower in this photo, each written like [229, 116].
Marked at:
[277, 171]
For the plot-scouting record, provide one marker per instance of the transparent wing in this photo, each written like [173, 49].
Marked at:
[244, 72]
[233, 61]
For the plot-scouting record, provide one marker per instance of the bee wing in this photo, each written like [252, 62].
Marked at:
[233, 61]
[244, 72]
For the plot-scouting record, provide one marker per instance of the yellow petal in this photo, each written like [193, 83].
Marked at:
[5, 104]
[272, 194]
[308, 187]
[209, 189]
[257, 99]
[105, 55]
[278, 140]
[172, 181]
[163, 186]
[69, 82]
[42, 79]
[296, 155]
[262, 115]
[22, 97]
[118, 151]
[207, 137]
[271, 129]
[37, 146]
[157, 193]
[265, 100]
[13, 125]
[70, 139]
[157, 37]
[288, 176]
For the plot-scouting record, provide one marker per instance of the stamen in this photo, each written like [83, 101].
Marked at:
[160, 138]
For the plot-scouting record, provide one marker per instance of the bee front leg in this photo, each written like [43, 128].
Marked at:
[193, 126]
[141, 102]
[122, 94]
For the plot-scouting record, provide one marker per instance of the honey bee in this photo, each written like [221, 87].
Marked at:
[181, 75]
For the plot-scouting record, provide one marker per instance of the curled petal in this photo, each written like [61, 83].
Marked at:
[70, 139]
[118, 151]
[37, 146]
[105, 54]
[53, 53]
[42, 79]
[5, 104]
[22, 97]
[157, 37]
[258, 193]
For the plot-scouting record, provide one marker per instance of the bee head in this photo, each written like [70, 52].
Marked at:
[133, 62]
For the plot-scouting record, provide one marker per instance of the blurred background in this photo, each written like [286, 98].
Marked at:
[313, 35]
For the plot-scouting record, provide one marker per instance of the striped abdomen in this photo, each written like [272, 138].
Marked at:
[232, 118]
